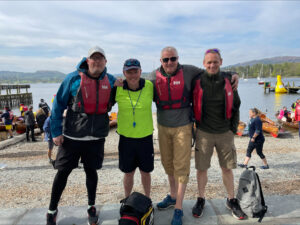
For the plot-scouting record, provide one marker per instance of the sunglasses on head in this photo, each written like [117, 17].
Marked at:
[132, 63]
[172, 59]
[212, 50]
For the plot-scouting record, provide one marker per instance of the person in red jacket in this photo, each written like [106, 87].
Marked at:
[297, 113]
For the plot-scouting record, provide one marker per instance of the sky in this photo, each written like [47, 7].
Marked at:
[55, 35]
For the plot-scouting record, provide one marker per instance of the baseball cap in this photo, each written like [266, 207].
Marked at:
[131, 64]
[96, 49]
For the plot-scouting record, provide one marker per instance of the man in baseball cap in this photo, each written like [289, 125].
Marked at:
[96, 49]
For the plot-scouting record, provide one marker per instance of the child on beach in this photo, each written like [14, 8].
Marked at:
[257, 139]
[48, 138]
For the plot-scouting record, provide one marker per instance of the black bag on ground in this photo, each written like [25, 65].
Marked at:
[250, 195]
[137, 209]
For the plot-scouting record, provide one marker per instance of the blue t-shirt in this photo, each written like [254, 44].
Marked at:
[255, 126]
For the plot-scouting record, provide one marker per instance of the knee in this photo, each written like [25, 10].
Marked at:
[226, 171]
[145, 175]
[129, 175]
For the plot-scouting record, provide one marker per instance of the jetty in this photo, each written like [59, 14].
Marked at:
[280, 87]
[13, 95]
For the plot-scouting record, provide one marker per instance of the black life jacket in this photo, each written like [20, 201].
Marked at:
[87, 111]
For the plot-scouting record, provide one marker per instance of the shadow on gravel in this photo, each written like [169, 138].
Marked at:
[285, 165]
[30, 167]
[286, 135]
[23, 154]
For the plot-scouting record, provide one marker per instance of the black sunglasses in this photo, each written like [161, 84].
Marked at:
[172, 59]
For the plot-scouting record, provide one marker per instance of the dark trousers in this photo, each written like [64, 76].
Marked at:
[30, 128]
[258, 145]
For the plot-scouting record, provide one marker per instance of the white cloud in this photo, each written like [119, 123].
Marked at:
[55, 35]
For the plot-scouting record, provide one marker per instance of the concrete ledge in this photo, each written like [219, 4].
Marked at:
[282, 210]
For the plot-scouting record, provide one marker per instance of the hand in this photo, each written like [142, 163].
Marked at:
[235, 81]
[118, 82]
[252, 140]
[58, 140]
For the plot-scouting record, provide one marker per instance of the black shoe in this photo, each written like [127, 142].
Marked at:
[234, 206]
[34, 140]
[51, 218]
[198, 207]
[242, 165]
[93, 218]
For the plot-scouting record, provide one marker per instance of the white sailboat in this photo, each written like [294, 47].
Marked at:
[261, 74]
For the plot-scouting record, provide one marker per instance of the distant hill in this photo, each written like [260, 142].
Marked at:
[41, 76]
[273, 60]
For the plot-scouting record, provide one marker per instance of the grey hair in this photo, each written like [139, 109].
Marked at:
[169, 49]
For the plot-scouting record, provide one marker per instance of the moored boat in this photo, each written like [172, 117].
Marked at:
[240, 129]
[268, 125]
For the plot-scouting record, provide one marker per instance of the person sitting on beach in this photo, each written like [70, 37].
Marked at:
[8, 120]
[30, 122]
[85, 93]
[48, 138]
[172, 95]
[216, 109]
[284, 115]
[135, 126]
[257, 139]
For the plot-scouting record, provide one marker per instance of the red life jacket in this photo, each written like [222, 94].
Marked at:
[95, 95]
[171, 91]
[297, 112]
[198, 99]
[25, 108]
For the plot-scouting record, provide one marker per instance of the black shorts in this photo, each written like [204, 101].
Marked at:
[50, 144]
[136, 152]
[90, 152]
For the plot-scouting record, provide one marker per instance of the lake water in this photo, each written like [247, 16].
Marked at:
[251, 94]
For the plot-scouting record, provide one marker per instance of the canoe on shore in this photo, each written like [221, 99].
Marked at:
[241, 128]
[294, 124]
[268, 125]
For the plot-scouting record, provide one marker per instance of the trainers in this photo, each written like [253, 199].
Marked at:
[198, 207]
[93, 218]
[177, 217]
[166, 203]
[234, 206]
[265, 167]
[51, 218]
[242, 165]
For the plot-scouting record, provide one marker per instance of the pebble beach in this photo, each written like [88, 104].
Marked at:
[26, 180]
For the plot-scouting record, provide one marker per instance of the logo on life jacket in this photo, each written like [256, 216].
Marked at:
[198, 99]
[95, 95]
[171, 91]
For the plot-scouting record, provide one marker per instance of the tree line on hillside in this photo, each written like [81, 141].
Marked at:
[267, 70]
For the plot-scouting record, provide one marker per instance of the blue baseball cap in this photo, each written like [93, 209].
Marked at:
[131, 64]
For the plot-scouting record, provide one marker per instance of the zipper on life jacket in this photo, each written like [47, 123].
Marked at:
[169, 92]
[97, 103]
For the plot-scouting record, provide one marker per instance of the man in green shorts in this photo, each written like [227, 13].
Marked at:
[172, 95]
[135, 126]
[216, 109]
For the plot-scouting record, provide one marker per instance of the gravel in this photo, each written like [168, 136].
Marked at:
[27, 180]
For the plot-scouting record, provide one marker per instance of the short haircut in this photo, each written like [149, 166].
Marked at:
[169, 49]
[214, 51]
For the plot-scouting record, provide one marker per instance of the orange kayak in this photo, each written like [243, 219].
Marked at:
[241, 128]
[268, 125]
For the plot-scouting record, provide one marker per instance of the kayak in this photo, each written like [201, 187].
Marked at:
[241, 128]
[268, 125]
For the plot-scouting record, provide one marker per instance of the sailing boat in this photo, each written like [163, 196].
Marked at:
[261, 74]
[246, 79]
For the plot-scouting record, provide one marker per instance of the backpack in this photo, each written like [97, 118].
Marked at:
[136, 209]
[250, 195]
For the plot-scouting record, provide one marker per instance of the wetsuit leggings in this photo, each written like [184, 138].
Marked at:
[259, 148]
[60, 182]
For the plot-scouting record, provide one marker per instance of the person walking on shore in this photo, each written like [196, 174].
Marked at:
[172, 95]
[44, 106]
[257, 139]
[135, 126]
[216, 110]
[30, 122]
[297, 113]
[85, 93]
[8, 120]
